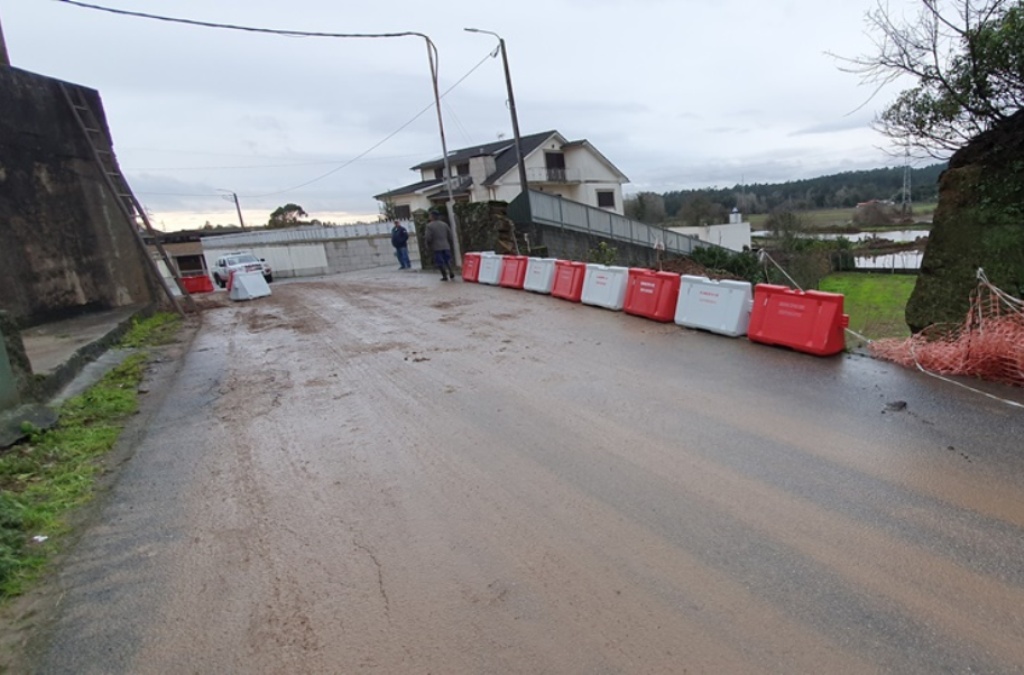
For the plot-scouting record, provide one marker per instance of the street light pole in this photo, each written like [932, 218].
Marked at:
[238, 208]
[520, 160]
[450, 204]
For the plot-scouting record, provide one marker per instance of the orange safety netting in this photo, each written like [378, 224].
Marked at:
[989, 344]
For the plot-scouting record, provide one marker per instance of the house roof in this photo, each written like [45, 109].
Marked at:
[503, 151]
[412, 187]
[504, 154]
[428, 186]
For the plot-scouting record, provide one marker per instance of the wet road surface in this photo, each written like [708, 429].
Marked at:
[378, 472]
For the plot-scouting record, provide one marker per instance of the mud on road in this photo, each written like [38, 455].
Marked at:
[378, 472]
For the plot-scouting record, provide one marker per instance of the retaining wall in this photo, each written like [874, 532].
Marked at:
[66, 247]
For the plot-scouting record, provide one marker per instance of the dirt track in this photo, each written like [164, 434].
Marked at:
[383, 473]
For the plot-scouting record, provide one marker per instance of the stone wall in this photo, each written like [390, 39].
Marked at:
[65, 247]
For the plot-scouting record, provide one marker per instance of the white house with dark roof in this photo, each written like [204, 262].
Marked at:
[575, 170]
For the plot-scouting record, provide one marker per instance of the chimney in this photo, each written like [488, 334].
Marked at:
[735, 216]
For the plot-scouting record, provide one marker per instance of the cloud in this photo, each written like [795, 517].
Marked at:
[833, 126]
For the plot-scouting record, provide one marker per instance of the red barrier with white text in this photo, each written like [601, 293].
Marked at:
[807, 321]
[651, 294]
[513, 271]
[568, 283]
[470, 266]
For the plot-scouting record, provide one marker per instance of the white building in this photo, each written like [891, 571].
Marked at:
[734, 235]
[575, 170]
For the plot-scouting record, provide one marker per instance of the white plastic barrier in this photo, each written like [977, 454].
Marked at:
[248, 285]
[718, 306]
[540, 274]
[490, 268]
[605, 286]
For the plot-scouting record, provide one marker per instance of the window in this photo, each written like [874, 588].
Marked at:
[606, 199]
[462, 169]
[554, 162]
[438, 174]
[403, 212]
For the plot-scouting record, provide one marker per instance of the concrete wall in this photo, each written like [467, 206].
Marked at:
[66, 248]
[733, 236]
[15, 368]
[316, 252]
[8, 385]
[573, 245]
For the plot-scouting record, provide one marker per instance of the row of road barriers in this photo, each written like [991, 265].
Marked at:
[807, 321]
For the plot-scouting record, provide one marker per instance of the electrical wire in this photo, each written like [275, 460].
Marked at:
[382, 141]
[432, 53]
[249, 29]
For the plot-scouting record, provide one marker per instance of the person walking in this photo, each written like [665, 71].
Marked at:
[439, 240]
[400, 240]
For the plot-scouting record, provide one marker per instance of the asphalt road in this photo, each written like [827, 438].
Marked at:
[378, 472]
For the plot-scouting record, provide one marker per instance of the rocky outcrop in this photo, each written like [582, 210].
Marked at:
[979, 222]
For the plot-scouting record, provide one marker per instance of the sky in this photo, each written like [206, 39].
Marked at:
[678, 94]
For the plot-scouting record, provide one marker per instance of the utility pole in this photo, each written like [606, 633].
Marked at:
[520, 160]
[4, 59]
[239, 210]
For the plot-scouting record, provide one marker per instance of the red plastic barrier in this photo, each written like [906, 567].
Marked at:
[513, 271]
[807, 321]
[471, 267]
[652, 294]
[197, 284]
[568, 283]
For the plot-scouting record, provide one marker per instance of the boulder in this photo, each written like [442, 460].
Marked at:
[979, 222]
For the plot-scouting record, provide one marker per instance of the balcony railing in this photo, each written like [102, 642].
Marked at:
[553, 175]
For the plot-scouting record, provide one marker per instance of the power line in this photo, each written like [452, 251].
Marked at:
[257, 166]
[357, 157]
[431, 49]
[229, 26]
[382, 141]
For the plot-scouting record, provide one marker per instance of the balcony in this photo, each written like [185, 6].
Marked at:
[554, 176]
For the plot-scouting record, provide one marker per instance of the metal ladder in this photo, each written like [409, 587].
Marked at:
[103, 154]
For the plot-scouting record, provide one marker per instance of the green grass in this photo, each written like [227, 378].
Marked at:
[45, 478]
[875, 302]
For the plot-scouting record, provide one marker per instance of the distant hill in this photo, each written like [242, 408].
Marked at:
[840, 190]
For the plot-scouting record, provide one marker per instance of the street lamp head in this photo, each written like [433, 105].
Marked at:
[478, 30]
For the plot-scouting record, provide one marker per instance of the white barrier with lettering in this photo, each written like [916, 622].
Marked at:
[605, 286]
[721, 307]
[248, 286]
[540, 274]
[490, 268]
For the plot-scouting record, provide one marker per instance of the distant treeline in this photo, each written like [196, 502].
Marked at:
[840, 190]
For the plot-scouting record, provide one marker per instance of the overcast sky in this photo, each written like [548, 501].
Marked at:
[677, 93]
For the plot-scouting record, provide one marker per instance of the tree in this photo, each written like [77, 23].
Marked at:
[699, 210]
[286, 216]
[647, 207]
[967, 57]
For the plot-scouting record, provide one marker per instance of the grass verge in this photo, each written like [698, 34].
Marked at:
[875, 302]
[44, 479]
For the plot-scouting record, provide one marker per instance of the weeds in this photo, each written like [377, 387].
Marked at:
[43, 479]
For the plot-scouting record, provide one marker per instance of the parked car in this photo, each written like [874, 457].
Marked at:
[239, 262]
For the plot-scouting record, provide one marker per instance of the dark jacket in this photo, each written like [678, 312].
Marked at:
[399, 236]
[438, 236]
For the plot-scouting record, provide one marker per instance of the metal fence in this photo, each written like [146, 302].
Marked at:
[560, 212]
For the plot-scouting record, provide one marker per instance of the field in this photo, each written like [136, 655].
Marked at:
[828, 218]
[875, 302]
